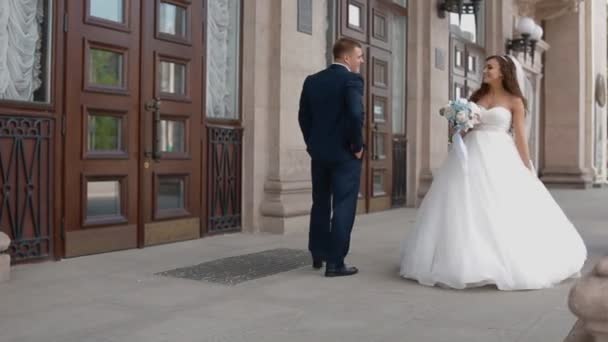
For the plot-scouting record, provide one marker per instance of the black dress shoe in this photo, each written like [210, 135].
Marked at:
[340, 271]
[317, 263]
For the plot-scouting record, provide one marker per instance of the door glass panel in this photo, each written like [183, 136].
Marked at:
[458, 57]
[223, 54]
[172, 78]
[173, 20]
[469, 26]
[380, 73]
[379, 145]
[103, 199]
[457, 92]
[106, 68]
[171, 193]
[172, 136]
[379, 109]
[379, 183]
[104, 133]
[354, 16]
[111, 10]
[472, 64]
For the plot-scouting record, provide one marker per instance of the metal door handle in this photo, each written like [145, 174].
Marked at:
[153, 106]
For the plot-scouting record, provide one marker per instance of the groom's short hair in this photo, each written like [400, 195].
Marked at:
[344, 46]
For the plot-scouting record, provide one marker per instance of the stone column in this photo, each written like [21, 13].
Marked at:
[589, 302]
[254, 112]
[5, 259]
[534, 72]
[289, 57]
[428, 91]
[499, 25]
[566, 160]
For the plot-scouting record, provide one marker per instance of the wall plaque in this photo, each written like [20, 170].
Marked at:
[305, 16]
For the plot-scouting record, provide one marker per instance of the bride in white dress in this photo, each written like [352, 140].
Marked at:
[487, 218]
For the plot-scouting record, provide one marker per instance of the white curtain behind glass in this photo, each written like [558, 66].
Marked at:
[399, 66]
[20, 48]
[223, 58]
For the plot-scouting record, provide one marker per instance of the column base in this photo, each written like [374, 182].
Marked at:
[566, 179]
[600, 185]
[5, 267]
[426, 179]
[285, 225]
[286, 208]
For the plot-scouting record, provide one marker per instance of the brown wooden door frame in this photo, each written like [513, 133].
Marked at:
[197, 162]
[374, 14]
[143, 47]
[475, 60]
[51, 111]
[226, 179]
[462, 76]
[84, 235]
[204, 172]
[380, 157]
[176, 224]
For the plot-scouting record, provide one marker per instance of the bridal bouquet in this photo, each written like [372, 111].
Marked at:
[461, 114]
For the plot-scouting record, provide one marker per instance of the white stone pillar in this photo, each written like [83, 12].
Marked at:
[428, 91]
[286, 58]
[499, 25]
[260, 35]
[566, 158]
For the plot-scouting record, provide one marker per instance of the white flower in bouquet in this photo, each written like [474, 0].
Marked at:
[461, 114]
[461, 117]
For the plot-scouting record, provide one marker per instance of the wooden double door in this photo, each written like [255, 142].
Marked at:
[467, 61]
[133, 124]
[370, 23]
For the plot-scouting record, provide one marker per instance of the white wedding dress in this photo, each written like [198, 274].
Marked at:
[488, 220]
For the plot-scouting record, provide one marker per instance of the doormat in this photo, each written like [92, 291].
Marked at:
[238, 269]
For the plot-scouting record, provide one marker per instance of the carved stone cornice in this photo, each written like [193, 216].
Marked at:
[546, 9]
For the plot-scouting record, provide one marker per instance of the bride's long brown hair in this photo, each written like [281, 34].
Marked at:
[509, 80]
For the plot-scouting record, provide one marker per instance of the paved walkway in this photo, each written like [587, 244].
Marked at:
[118, 297]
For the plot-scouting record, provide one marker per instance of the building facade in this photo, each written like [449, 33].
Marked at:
[130, 123]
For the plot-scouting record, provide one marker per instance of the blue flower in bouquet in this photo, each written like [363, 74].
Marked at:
[461, 114]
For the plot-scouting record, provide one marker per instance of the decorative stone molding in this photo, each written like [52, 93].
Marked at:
[5, 242]
[589, 302]
[290, 194]
[287, 199]
[5, 259]
[547, 9]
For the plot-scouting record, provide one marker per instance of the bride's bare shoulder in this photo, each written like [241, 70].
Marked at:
[516, 103]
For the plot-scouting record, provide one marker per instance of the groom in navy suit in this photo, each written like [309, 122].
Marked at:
[331, 120]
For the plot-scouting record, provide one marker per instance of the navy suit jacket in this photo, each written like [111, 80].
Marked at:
[331, 114]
